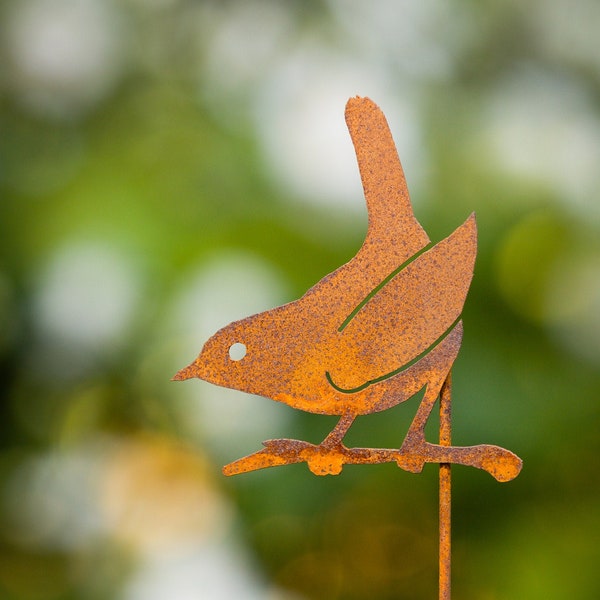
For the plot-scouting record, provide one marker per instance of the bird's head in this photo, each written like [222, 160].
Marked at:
[241, 356]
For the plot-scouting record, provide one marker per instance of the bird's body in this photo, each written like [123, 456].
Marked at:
[375, 331]
[300, 354]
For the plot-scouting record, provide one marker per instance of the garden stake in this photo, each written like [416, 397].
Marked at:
[365, 338]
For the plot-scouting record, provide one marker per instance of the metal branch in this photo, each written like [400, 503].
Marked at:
[500, 463]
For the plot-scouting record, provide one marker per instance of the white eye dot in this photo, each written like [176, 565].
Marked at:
[237, 351]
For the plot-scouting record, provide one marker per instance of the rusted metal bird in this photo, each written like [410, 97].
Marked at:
[366, 337]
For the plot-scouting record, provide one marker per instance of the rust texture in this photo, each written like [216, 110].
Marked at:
[366, 337]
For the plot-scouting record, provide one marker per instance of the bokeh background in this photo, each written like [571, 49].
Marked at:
[167, 166]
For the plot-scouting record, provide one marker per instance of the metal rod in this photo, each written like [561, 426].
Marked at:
[445, 490]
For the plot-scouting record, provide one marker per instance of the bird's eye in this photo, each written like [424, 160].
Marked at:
[237, 351]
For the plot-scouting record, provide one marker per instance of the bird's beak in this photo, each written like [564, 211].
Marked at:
[186, 373]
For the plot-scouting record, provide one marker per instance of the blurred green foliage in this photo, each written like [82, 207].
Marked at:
[167, 166]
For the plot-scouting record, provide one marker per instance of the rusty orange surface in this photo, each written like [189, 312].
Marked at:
[366, 337]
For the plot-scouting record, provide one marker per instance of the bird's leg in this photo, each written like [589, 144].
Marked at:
[339, 431]
[328, 457]
[416, 432]
[414, 442]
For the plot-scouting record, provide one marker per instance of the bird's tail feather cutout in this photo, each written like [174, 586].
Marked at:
[386, 193]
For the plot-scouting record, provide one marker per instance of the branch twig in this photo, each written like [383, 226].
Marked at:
[500, 463]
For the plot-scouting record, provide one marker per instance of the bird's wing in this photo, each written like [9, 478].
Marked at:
[403, 318]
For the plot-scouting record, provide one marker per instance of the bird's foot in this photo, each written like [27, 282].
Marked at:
[324, 460]
[410, 456]
[413, 463]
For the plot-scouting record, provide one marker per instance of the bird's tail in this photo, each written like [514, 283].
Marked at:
[391, 218]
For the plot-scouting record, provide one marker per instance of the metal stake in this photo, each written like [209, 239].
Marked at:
[445, 490]
[365, 338]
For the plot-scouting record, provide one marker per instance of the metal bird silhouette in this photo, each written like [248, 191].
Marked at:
[366, 337]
